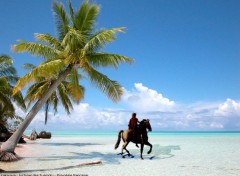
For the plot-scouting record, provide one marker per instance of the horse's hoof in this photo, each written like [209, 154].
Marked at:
[123, 156]
[148, 152]
[142, 158]
[151, 157]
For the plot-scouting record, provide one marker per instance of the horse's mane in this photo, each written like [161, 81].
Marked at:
[142, 123]
[143, 120]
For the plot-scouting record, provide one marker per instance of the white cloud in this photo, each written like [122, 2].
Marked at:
[164, 114]
[228, 108]
[83, 117]
[143, 99]
[216, 125]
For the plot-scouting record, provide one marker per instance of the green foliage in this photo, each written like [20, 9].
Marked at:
[13, 125]
[62, 20]
[78, 45]
[62, 94]
[6, 68]
[7, 77]
[36, 49]
[100, 39]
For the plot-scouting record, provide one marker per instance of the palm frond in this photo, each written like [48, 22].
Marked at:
[6, 67]
[105, 59]
[28, 66]
[62, 19]
[86, 17]
[12, 79]
[111, 88]
[36, 49]
[18, 99]
[73, 39]
[80, 76]
[64, 98]
[55, 102]
[47, 69]
[71, 11]
[76, 91]
[5, 71]
[6, 102]
[5, 59]
[4, 85]
[49, 40]
[32, 93]
[39, 91]
[101, 38]
[6, 113]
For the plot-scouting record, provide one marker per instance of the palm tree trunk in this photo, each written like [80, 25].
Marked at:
[46, 111]
[10, 144]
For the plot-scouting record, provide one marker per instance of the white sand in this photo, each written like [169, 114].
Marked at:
[173, 155]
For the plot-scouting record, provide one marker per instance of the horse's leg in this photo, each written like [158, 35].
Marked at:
[150, 145]
[124, 147]
[142, 145]
[124, 138]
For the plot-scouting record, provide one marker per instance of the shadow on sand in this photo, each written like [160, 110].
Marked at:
[159, 152]
[42, 170]
[69, 144]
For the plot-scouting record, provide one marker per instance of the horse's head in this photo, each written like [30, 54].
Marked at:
[146, 124]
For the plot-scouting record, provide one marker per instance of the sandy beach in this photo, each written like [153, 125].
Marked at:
[182, 155]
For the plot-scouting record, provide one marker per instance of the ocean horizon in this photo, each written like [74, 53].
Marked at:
[153, 133]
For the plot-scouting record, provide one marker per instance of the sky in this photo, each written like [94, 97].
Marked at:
[185, 75]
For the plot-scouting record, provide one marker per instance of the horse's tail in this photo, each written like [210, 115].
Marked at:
[119, 139]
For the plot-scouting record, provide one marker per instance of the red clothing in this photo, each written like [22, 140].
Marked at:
[132, 123]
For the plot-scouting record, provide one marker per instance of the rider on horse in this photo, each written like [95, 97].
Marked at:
[133, 125]
[141, 136]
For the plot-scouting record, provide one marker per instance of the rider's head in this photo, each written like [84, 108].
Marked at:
[134, 114]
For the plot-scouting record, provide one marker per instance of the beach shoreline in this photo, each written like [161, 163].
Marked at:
[172, 155]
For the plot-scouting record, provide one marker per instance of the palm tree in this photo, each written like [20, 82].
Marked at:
[7, 78]
[77, 49]
[62, 93]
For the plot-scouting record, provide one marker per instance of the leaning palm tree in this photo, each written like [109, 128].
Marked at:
[77, 48]
[7, 79]
[63, 93]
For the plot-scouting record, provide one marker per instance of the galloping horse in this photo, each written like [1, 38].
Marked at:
[138, 138]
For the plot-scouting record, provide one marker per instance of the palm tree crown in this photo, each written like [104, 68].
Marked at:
[77, 47]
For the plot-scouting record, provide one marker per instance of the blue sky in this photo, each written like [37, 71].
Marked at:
[186, 70]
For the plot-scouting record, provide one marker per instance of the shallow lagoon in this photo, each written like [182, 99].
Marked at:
[174, 153]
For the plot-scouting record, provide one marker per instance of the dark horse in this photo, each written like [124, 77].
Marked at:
[139, 138]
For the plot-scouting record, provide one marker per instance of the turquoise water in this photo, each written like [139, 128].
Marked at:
[160, 133]
[173, 153]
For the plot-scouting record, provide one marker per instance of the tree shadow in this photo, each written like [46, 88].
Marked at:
[158, 152]
[107, 158]
[69, 144]
[43, 170]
